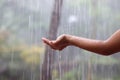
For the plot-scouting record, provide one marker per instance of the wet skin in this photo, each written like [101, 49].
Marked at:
[106, 47]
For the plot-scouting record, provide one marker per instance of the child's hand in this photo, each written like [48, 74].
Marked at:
[60, 43]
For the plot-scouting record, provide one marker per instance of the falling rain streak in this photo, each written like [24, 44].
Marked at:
[23, 55]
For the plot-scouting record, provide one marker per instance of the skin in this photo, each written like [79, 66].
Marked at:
[106, 47]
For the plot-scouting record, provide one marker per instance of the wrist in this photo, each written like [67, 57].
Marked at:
[69, 39]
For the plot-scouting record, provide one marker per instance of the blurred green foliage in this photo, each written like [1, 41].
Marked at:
[21, 52]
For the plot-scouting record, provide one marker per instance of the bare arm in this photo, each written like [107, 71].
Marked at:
[107, 47]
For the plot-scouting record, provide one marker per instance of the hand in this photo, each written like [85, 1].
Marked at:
[60, 43]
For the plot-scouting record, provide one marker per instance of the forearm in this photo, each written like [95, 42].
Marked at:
[107, 47]
[96, 46]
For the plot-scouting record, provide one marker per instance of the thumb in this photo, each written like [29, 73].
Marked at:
[53, 42]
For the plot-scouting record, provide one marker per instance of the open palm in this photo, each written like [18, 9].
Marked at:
[60, 43]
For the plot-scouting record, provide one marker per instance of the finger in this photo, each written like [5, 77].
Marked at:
[55, 42]
[47, 41]
[60, 40]
[58, 46]
[52, 43]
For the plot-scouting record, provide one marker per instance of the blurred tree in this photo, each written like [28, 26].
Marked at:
[49, 53]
